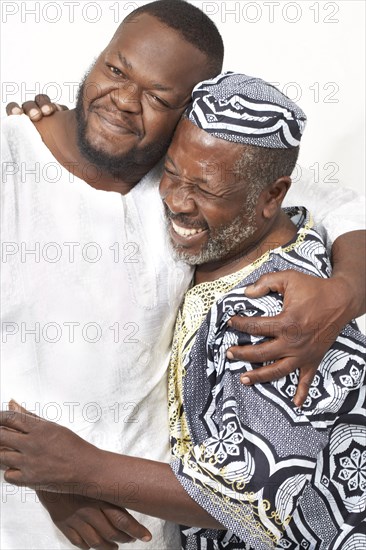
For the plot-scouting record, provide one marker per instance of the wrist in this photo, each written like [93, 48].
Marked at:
[348, 298]
[89, 469]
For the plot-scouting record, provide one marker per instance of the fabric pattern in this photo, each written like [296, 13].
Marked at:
[274, 475]
[245, 109]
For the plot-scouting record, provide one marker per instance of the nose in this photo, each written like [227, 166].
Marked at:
[127, 97]
[177, 196]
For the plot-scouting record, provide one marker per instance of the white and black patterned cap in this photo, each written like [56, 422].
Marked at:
[248, 110]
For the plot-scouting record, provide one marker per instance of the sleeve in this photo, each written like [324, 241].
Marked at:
[336, 209]
[252, 452]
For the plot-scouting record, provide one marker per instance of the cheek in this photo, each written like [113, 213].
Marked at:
[218, 215]
[96, 86]
[160, 125]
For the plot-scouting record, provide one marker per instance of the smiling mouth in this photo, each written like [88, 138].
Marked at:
[116, 124]
[185, 232]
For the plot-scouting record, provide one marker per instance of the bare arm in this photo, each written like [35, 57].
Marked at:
[142, 485]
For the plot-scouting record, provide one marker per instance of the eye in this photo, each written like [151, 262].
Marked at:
[116, 72]
[168, 171]
[156, 100]
[206, 192]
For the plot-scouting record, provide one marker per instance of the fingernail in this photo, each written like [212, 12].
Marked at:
[46, 109]
[146, 539]
[33, 112]
[229, 355]
[244, 380]
[17, 111]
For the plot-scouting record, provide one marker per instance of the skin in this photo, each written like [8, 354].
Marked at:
[328, 304]
[199, 197]
[131, 95]
[133, 98]
[39, 456]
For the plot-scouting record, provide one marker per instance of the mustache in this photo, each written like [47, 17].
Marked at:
[118, 116]
[184, 219]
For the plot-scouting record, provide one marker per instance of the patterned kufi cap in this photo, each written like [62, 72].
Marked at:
[248, 110]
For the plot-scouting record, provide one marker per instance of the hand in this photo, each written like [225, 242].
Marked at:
[89, 523]
[314, 312]
[37, 109]
[40, 454]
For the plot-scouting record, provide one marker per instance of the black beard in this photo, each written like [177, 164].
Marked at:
[120, 167]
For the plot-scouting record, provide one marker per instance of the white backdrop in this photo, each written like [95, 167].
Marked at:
[313, 50]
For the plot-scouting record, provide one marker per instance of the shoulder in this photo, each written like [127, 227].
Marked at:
[17, 132]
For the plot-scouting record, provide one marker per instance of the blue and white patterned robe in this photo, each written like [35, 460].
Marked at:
[275, 475]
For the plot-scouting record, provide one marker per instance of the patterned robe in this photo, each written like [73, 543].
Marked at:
[276, 476]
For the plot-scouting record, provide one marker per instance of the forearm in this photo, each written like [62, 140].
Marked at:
[144, 486]
[349, 268]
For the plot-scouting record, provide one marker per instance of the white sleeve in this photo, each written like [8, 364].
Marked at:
[335, 208]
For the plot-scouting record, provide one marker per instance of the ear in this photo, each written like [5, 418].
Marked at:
[274, 195]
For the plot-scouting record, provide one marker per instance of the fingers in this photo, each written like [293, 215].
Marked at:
[104, 527]
[92, 538]
[10, 458]
[306, 378]
[32, 110]
[14, 406]
[37, 109]
[280, 369]
[74, 538]
[10, 439]
[270, 350]
[15, 477]
[16, 421]
[271, 282]
[269, 373]
[259, 326]
[45, 104]
[124, 521]
[13, 109]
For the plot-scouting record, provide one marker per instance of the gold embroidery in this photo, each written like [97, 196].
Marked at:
[197, 302]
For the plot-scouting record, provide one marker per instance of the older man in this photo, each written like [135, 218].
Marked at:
[90, 291]
[249, 469]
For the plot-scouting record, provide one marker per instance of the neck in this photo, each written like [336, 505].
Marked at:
[281, 231]
[59, 133]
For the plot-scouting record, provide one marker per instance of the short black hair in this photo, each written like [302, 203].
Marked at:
[194, 25]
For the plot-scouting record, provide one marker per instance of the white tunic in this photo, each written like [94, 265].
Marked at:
[87, 317]
[89, 298]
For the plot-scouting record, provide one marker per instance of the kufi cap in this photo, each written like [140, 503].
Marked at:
[248, 110]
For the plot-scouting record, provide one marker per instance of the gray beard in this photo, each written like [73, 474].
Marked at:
[221, 242]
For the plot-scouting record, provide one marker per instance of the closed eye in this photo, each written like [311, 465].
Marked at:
[168, 171]
[158, 101]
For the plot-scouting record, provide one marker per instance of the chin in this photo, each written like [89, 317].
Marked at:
[109, 144]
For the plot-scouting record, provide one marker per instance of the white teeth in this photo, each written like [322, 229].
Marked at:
[185, 232]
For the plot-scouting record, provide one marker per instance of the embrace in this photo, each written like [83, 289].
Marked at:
[193, 167]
